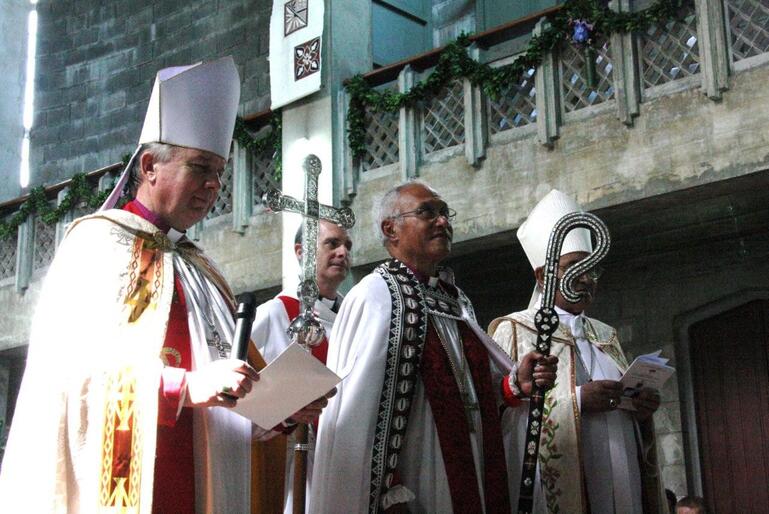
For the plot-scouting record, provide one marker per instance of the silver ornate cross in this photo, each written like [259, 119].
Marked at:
[306, 329]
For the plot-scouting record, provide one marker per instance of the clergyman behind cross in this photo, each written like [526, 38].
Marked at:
[306, 329]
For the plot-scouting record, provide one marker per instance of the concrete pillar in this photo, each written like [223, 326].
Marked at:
[714, 58]
[24, 252]
[625, 73]
[61, 225]
[242, 188]
[476, 132]
[346, 182]
[409, 147]
[314, 123]
[548, 94]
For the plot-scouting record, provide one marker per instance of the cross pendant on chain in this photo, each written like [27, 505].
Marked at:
[215, 341]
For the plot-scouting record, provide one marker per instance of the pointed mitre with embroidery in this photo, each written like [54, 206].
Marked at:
[534, 233]
[191, 106]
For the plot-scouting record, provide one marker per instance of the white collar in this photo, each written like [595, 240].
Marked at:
[573, 321]
[328, 302]
[174, 235]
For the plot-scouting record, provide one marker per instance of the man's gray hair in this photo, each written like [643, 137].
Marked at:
[387, 207]
[161, 152]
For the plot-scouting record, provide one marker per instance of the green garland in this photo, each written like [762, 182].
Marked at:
[81, 192]
[454, 63]
[37, 203]
[258, 146]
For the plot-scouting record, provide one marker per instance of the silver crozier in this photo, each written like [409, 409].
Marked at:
[546, 321]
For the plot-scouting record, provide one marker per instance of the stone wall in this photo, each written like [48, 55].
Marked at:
[678, 141]
[13, 55]
[97, 63]
[251, 261]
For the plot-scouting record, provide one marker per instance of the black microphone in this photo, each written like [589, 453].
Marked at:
[244, 318]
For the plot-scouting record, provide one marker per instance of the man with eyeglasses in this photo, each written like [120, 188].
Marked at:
[415, 424]
[590, 459]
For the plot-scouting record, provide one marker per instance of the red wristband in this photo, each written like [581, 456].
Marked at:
[508, 395]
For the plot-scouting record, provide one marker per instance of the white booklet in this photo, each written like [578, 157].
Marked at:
[646, 371]
[292, 380]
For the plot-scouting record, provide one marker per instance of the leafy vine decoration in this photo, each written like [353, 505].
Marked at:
[81, 192]
[454, 62]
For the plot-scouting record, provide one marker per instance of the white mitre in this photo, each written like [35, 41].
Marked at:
[191, 106]
[534, 233]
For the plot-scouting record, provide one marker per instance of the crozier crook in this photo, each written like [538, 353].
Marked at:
[546, 322]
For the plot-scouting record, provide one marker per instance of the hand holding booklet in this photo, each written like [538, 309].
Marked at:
[292, 380]
[646, 371]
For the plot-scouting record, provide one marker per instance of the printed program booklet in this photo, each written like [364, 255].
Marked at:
[646, 371]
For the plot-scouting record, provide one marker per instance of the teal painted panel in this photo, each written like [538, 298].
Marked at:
[416, 8]
[499, 12]
[394, 36]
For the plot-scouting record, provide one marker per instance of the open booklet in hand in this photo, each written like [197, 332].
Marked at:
[294, 379]
[647, 371]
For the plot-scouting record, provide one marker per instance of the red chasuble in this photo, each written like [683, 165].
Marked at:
[174, 483]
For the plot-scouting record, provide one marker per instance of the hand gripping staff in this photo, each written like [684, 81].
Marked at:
[546, 321]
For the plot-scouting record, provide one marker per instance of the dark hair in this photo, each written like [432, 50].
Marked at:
[298, 236]
[671, 498]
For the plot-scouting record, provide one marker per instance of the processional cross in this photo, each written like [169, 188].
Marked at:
[306, 328]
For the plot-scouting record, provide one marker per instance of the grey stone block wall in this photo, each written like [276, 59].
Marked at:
[13, 55]
[97, 63]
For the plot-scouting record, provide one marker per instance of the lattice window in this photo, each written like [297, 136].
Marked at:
[670, 51]
[381, 140]
[45, 244]
[748, 27]
[444, 119]
[577, 91]
[263, 175]
[516, 105]
[8, 255]
[223, 203]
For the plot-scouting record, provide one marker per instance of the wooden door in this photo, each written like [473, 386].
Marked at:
[730, 374]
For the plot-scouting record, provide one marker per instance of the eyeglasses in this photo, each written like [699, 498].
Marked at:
[429, 213]
[593, 273]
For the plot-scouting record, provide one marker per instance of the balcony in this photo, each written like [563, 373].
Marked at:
[678, 106]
